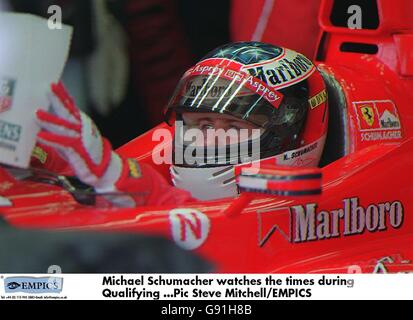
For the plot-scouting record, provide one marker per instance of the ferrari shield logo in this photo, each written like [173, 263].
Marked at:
[368, 114]
[380, 116]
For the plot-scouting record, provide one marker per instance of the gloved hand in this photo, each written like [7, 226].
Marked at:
[74, 135]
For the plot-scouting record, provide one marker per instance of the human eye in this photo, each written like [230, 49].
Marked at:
[205, 125]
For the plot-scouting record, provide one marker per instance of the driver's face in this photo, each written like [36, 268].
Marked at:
[227, 129]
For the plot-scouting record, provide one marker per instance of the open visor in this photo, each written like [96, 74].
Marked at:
[241, 96]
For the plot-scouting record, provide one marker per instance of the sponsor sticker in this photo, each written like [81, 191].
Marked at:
[39, 154]
[190, 227]
[233, 72]
[283, 72]
[259, 70]
[134, 169]
[367, 113]
[318, 99]
[378, 120]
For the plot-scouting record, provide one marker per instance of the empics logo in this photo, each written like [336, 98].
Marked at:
[13, 285]
[6, 93]
[33, 285]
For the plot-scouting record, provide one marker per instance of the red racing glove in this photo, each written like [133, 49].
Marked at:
[78, 141]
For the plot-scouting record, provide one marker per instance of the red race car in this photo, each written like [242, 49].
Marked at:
[355, 219]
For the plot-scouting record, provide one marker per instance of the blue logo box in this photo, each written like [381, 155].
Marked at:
[33, 284]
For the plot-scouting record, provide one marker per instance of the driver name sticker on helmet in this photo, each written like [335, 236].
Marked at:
[189, 227]
[305, 156]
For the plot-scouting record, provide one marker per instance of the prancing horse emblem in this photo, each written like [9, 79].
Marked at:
[368, 115]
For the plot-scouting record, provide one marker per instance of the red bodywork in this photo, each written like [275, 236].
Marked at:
[360, 222]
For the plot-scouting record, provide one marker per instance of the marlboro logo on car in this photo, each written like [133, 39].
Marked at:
[303, 223]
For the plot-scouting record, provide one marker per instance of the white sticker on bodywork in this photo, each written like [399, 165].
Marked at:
[189, 227]
[4, 202]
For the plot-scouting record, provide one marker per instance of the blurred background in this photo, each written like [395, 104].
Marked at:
[128, 55]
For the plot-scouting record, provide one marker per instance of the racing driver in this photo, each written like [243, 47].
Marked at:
[257, 94]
